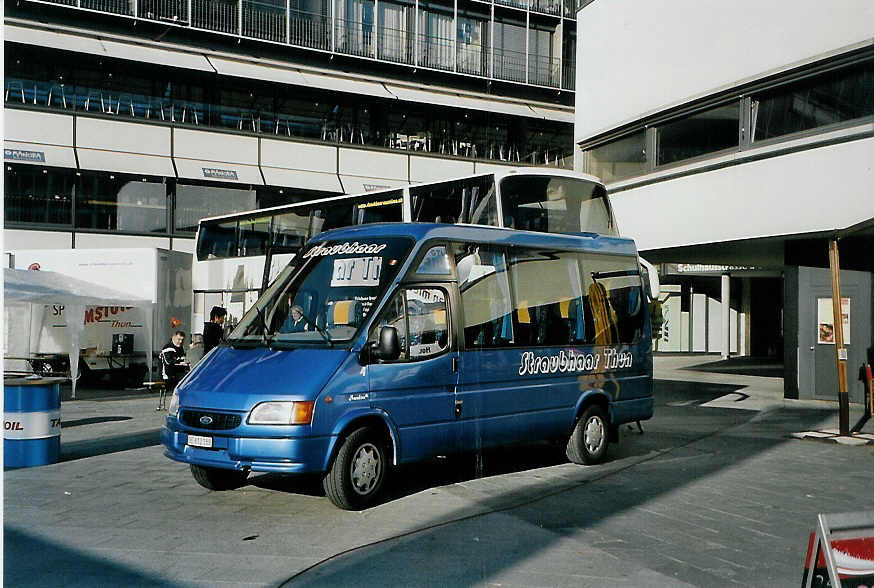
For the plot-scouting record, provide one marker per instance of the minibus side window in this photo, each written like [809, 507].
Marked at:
[485, 296]
[614, 298]
[421, 319]
[547, 298]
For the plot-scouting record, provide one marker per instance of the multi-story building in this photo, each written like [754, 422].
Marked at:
[737, 141]
[129, 120]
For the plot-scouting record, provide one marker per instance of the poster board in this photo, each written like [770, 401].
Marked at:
[825, 322]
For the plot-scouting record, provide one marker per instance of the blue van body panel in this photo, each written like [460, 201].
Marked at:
[464, 399]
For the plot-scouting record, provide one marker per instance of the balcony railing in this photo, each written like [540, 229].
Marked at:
[543, 71]
[169, 10]
[264, 21]
[510, 65]
[309, 29]
[215, 15]
[436, 52]
[269, 20]
[568, 77]
[354, 37]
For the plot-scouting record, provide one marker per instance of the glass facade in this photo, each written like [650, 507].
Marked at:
[46, 78]
[806, 103]
[46, 197]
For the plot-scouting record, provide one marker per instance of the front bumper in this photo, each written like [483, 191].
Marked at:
[286, 455]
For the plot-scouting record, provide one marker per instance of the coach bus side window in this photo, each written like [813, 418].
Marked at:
[547, 294]
[485, 296]
[615, 298]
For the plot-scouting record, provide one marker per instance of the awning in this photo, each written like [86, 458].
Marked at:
[454, 100]
[131, 163]
[105, 47]
[197, 169]
[359, 184]
[37, 154]
[305, 180]
[245, 69]
[554, 114]
[348, 85]
[160, 56]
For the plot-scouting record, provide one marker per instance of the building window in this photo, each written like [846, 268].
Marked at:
[704, 132]
[619, 159]
[39, 195]
[194, 202]
[832, 98]
[116, 202]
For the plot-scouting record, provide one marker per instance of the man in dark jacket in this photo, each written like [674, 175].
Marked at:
[173, 364]
[213, 331]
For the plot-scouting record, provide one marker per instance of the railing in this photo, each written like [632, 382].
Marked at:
[269, 20]
[264, 21]
[113, 6]
[473, 142]
[569, 73]
[170, 10]
[354, 37]
[215, 15]
[309, 29]
[436, 52]
[473, 59]
[543, 71]
[509, 65]
[547, 6]
[395, 45]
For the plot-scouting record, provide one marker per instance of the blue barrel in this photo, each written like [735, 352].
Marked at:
[31, 421]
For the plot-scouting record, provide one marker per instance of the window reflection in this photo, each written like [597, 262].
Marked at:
[704, 132]
[619, 159]
[113, 202]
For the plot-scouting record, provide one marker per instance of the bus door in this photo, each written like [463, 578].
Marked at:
[417, 390]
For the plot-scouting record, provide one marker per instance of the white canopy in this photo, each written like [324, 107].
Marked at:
[42, 287]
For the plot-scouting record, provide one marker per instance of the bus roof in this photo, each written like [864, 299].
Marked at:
[498, 173]
[483, 234]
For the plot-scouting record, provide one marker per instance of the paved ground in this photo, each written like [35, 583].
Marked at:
[715, 492]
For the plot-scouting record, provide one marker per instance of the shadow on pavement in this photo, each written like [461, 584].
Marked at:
[766, 367]
[91, 447]
[93, 420]
[25, 558]
[686, 445]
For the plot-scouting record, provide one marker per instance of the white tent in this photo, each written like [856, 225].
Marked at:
[41, 287]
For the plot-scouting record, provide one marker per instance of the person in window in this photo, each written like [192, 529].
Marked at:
[213, 330]
[295, 322]
[173, 363]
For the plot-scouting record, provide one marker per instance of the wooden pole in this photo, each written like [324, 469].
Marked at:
[840, 350]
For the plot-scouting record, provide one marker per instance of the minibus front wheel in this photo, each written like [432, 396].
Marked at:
[218, 478]
[358, 471]
[588, 442]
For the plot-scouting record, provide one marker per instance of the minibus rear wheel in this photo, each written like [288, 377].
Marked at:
[588, 442]
[218, 478]
[358, 471]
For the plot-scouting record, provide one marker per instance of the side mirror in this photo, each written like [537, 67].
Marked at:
[388, 348]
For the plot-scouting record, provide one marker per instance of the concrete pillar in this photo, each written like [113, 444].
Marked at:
[746, 306]
[726, 316]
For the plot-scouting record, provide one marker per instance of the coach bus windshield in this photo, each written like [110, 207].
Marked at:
[556, 204]
[325, 296]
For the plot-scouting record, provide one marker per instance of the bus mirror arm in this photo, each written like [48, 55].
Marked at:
[388, 348]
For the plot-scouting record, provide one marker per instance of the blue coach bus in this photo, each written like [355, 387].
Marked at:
[390, 343]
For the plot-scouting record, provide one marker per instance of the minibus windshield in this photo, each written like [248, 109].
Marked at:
[325, 295]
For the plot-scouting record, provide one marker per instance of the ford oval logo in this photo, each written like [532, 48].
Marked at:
[206, 420]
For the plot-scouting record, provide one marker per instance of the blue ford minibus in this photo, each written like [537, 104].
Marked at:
[389, 343]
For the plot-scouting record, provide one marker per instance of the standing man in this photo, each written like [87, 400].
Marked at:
[173, 365]
[213, 331]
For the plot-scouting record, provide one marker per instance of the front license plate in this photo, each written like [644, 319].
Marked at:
[199, 441]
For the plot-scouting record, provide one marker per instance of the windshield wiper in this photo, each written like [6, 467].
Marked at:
[265, 330]
[318, 329]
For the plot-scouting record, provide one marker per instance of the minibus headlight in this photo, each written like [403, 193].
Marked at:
[173, 409]
[282, 413]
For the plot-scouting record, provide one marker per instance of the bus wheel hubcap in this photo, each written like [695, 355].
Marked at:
[365, 468]
[594, 434]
